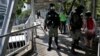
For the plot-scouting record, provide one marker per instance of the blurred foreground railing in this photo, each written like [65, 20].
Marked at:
[19, 40]
[99, 44]
[99, 48]
[98, 33]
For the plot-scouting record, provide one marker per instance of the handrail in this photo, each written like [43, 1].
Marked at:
[98, 51]
[12, 33]
[98, 47]
[19, 31]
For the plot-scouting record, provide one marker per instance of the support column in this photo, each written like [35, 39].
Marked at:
[33, 11]
[7, 26]
[33, 22]
[94, 9]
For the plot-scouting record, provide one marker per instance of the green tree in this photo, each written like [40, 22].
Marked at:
[20, 5]
[98, 8]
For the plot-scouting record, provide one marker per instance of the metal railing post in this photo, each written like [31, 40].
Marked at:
[94, 9]
[33, 19]
[34, 49]
[7, 26]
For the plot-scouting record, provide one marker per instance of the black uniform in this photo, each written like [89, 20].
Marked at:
[76, 25]
[52, 22]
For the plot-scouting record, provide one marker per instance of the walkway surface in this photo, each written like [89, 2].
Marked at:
[65, 45]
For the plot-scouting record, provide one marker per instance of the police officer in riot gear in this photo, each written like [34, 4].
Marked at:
[52, 23]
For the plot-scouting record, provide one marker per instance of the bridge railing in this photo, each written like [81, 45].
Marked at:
[19, 40]
[98, 33]
[99, 47]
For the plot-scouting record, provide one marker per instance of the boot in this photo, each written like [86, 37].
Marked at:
[56, 41]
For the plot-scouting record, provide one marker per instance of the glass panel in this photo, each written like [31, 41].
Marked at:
[1, 20]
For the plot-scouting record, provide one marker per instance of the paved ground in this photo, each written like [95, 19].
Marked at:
[65, 45]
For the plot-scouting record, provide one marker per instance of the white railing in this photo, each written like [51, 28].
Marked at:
[98, 53]
[99, 47]
[98, 36]
[22, 36]
[19, 38]
[5, 26]
[19, 42]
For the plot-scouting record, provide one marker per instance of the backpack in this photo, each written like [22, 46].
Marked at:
[75, 21]
[90, 27]
[52, 19]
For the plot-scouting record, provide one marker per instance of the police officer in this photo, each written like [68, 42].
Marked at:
[76, 25]
[52, 23]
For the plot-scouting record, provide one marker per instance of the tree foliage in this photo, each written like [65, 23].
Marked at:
[20, 5]
[98, 8]
[27, 1]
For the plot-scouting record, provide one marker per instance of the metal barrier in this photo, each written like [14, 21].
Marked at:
[18, 40]
[98, 43]
[98, 33]
[99, 47]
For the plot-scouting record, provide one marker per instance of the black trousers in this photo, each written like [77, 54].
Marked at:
[75, 43]
[50, 41]
[63, 27]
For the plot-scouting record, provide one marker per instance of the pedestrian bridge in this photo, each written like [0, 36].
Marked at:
[20, 44]
[30, 39]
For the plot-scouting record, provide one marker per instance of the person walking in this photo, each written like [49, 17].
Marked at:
[63, 20]
[52, 23]
[90, 32]
[76, 25]
[38, 14]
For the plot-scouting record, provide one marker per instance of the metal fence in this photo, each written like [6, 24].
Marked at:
[98, 33]
[99, 48]
[19, 40]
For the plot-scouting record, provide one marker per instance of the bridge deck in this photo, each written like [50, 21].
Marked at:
[65, 45]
